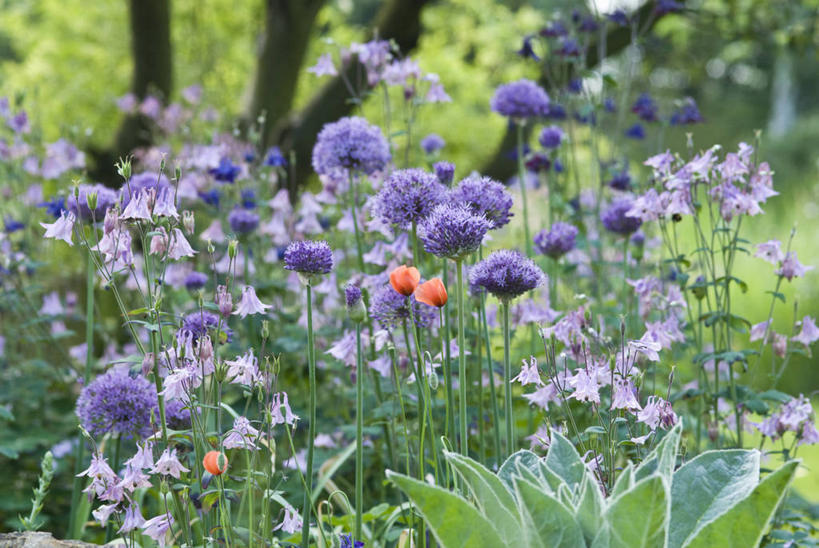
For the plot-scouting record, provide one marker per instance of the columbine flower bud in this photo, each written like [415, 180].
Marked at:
[224, 301]
[124, 168]
[177, 173]
[147, 363]
[265, 329]
[91, 200]
[220, 371]
[111, 220]
[233, 246]
[188, 222]
[211, 247]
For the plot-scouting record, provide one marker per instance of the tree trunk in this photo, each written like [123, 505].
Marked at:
[288, 26]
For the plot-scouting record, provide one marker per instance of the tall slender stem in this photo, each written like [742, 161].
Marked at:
[311, 431]
[359, 428]
[491, 372]
[507, 378]
[461, 361]
[522, 180]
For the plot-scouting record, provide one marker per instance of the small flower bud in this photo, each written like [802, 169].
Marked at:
[265, 329]
[224, 301]
[233, 247]
[188, 222]
[220, 371]
[147, 363]
[211, 247]
[163, 487]
[124, 168]
[91, 200]
[177, 173]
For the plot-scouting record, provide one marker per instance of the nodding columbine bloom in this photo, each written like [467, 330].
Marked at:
[657, 412]
[686, 114]
[529, 373]
[226, 171]
[144, 457]
[390, 308]
[557, 241]
[432, 143]
[809, 333]
[168, 464]
[615, 218]
[324, 66]
[78, 205]
[770, 251]
[100, 474]
[624, 396]
[407, 197]
[586, 387]
[526, 50]
[243, 221]
[62, 228]
[404, 279]
[157, 527]
[133, 519]
[520, 100]
[244, 369]
[350, 145]
[143, 182]
[309, 257]
[224, 301]
[551, 137]
[453, 231]
[432, 293]
[119, 403]
[291, 522]
[242, 435]
[444, 171]
[280, 401]
[250, 303]
[215, 463]
[484, 196]
[506, 274]
[791, 267]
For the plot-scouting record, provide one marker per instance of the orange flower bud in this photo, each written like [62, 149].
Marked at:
[405, 279]
[431, 292]
[215, 462]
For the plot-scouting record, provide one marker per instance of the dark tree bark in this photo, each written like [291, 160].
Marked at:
[503, 164]
[150, 22]
[397, 20]
[287, 33]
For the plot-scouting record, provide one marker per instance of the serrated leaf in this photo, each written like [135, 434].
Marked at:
[549, 523]
[564, 460]
[745, 523]
[707, 487]
[638, 518]
[451, 519]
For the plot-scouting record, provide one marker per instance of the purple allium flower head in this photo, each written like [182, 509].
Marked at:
[309, 257]
[274, 158]
[432, 143]
[453, 230]
[350, 144]
[686, 114]
[79, 205]
[199, 322]
[620, 181]
[556, 112]
[352, 295]
[444, 171]
[645, 107]
[557, 241]
[407, 196]
[484, 196]
[568, 47]
[389, 308]
[506, 274]
[195, 280]
[177, 414]
[551, 137]
[614, 217]
[520, 100]
[636, 132]
[140, 182]
[116, 402]
[243, 221]
[226, 171]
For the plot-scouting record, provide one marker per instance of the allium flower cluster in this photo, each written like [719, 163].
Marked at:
[453, 231]
[484, 196]
[350, 144]
[615, 218]
[557, 241]
[78, 205]
[119, 403]
[407, 196]
[506, 274]
[309, 257]
[243, 221]
[389, 308]
[520, 100]
[432, 143]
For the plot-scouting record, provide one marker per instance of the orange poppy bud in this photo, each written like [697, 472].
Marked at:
[405, 279]
[215, 462]
[431, 292]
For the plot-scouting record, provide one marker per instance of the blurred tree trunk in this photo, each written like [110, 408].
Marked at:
[287, 32]
[783, 94]
[150, 22]
[397, 20]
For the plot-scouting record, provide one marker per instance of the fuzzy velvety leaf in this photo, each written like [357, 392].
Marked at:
[564, 460]
[523, 458]
[638, 518]
[548, 523]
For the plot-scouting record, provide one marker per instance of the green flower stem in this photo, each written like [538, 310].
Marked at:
[507, 378]
[522, 181]
[450, 395]
[462, 421]
[359, 428]
[74, 528]
[311, 433]
[420, 396]
[492, 392]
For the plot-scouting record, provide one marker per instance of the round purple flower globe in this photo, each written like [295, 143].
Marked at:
[484, 196]
[119, 403]
[195, 280]
[243, 221]
[350, 144]
[520, 100]
[453, 231]
[177, 414]
[615, 220]
[142, 181]
[444, 171]
[389, 308]
[352, 295]
[408, 196]
[506, 274]
[78, 205]
[551, 137]
[432, 143]
[557, 241]
[309, 257]
[199, 322]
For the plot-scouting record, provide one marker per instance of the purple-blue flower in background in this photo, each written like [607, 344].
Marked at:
[407, 196]
[275, 158]
[551, 137]
[390, 308]
[615, 220]
[54, 207]
[195, 280]
[520, 100]
[350, 144]
[243, 221]
[119, 403]
[557, 241]
[226, 171]
[686, 114]
[444, 171]
[140, 182]
[309, 257]
[79, 205]
[620, 181]
[645, 108]
[506, 274]
[199, 322]
[526, 51]
[453, 230]
[636, 132]
[484, 196]
[432, 143]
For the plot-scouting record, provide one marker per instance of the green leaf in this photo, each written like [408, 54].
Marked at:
[638, 518]
[508, 469]
[549, 524]
[625, 481]
[589, 510]
[453, 521]
[6, 414]
[707, 487]
[491, 497]
[564, 460]
[663, 458]
[745, 523]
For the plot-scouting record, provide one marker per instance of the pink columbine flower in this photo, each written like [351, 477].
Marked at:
[624, 396]
[62, 228]
[291, 522]
[809, 333]
[324, 66]
[242, 436]
[102, 476]
[133, 479]
[133, 519]
[759, 330]
[585, 386]
[529, 373]
[657, 412]
[179, 246]
[144, 457]
[244, 369]
[137, 208]
[168, 465]
[280, 402]
[250, 303]
[157, 527]
[770, 251]
[791, 267]
[104, 512]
